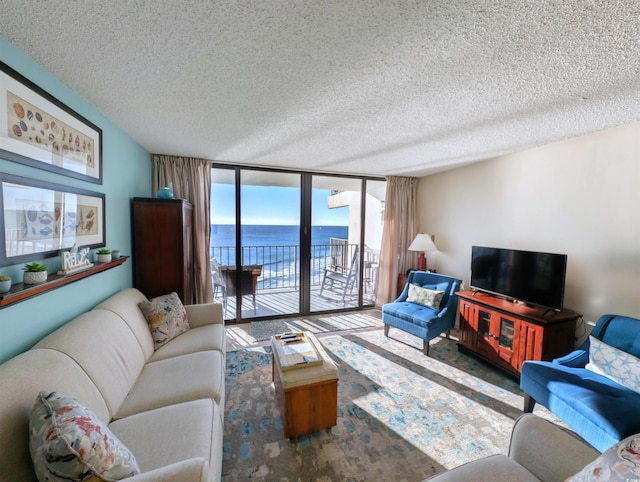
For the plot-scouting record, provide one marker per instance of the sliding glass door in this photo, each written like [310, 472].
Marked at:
[270, 242]
[344, 260]
[335, 242]
[285, 243]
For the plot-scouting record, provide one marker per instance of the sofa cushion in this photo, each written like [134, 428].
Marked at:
[166, 316]
[411, 312]
[203, 338]
[125, 304]
[106, 349]
[621, 462]
[174, 433]
[425, 296]
[176, 380]
[21, 379]
[68, 442]
[616, 364]
[496, 468]
[597, 408]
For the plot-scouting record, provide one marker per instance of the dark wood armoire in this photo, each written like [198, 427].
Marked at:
[162, 247]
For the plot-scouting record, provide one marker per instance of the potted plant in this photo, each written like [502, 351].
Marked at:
[5, 284]
[104, 255]
[34, 273]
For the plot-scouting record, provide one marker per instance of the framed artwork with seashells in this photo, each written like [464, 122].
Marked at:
[40, 218]
[38, 130]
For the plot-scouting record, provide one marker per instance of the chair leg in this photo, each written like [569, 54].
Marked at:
[529, 403]
[425, 347]
[386, 330]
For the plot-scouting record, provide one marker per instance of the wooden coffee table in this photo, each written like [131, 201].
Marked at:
[307, 395]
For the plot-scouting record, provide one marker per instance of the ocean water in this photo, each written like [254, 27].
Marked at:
[276, 249]
[261, 235]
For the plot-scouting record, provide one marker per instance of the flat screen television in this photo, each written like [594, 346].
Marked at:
[526, 276]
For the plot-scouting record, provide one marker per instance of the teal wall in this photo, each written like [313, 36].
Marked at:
[126, 173]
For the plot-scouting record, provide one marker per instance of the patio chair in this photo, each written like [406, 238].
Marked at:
[340, 279]
[219, 284]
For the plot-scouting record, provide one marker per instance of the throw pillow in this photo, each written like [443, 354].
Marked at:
[68, 442]
[424, 296]
[618, 463]
[614, 363]
[166, 316]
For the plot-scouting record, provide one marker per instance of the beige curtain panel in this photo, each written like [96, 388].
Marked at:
[400, 224]
[191, 180]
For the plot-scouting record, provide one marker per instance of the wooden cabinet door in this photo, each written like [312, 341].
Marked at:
[485, 343]
[468, 324]
[506, 339]
[531, 338]
[497, 338]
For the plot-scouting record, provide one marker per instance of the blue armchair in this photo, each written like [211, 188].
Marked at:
[599, 409]
[428, 320]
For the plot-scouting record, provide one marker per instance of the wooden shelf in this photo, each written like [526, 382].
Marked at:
[21, 292]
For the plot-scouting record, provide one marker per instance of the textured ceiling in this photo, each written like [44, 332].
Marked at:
[366, 87]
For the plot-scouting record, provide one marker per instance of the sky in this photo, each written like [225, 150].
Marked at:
[273, 206]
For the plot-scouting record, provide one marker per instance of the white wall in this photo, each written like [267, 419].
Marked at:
[579, 197]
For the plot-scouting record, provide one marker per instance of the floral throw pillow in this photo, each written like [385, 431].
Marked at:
[166, 316]
[613, 363]
[68, 442]
[618, 463]
[424, 296]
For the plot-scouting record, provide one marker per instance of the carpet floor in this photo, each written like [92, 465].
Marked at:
[402, 416]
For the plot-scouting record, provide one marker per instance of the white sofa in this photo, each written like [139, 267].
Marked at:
[538, 451]
[166, 406]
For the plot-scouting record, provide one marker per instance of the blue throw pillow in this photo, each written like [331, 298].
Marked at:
[615, 364]
[425, 297]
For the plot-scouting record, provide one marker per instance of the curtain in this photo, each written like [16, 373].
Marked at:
[399, 229]
[191, 180]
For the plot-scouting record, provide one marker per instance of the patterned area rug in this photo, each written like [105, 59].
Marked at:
[401, 416]
[264, 330]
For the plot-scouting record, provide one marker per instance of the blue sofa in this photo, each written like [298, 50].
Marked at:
[600, 410]
[420, 320]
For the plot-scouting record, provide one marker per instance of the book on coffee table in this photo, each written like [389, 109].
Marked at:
[295, 350]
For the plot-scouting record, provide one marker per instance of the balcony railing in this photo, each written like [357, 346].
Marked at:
[281, 264]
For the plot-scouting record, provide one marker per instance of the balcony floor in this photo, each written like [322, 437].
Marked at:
[285, 301]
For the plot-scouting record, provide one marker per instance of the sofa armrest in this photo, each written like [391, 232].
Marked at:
[204, 314]
[546, 450]
[190, 470]
[576, 359]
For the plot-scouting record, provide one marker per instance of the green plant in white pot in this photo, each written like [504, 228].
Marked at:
[104, 255]
[5, 284]
[34, 273]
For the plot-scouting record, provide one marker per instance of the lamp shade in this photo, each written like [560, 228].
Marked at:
[422, 243]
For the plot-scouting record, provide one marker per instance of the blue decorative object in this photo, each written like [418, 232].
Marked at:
[599, 409]
[420, 320]
[166, 192]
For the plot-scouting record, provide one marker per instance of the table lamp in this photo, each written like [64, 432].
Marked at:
[422, 243]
